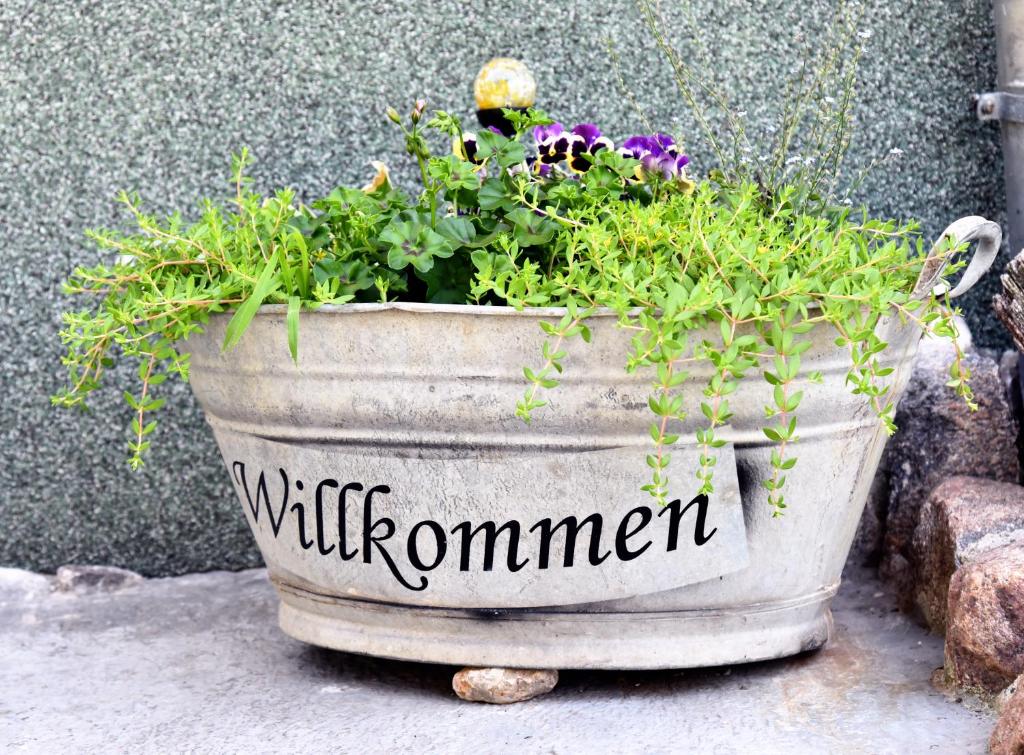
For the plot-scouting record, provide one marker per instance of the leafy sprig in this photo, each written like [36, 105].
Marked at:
[680, 271]
[166, 278]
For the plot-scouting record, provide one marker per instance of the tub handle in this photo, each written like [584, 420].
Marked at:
[972, 228]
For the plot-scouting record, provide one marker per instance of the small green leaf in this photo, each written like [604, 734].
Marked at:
[266, 284]
[294, 305]
[531, 229]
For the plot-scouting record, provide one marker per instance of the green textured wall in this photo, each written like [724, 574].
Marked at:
[155, 94]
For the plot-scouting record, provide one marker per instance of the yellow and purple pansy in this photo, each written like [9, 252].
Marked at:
[658, 156]
[572, 152]
[587, 141]
[553, 143]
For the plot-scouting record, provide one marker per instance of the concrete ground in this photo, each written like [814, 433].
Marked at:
[197, 664]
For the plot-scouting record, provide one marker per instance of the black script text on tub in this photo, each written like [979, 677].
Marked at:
[428, 543]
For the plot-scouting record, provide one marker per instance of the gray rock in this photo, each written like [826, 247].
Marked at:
[985, 622]
[1003, 698]
[503, 685]
[963, 518]
[18, 585]
[1008, 737]
[1009, 367]
[80, 578]
[940, 437]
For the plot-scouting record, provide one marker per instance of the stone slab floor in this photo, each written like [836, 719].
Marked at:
[197, 664]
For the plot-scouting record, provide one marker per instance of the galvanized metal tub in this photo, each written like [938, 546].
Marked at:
[410, 407]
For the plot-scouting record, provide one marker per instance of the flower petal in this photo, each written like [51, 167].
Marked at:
[544, 134]
[637, 145]
[664, 141]
[381, 179]
[588, 132]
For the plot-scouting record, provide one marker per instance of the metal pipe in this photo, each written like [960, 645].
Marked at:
[1007, 106]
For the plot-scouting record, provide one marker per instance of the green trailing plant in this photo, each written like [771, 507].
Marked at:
[731, 273]
[716, 279]
[163, 281]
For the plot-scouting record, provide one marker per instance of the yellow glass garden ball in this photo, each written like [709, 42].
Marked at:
[503, 83]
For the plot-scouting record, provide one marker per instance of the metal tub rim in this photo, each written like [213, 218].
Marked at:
[426, 308]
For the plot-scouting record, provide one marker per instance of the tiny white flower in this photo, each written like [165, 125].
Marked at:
[865, 34]
[896, 152]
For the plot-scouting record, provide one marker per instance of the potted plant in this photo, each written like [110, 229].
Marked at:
[567, 407]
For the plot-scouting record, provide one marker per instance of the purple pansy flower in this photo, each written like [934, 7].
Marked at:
[588, 132]
[636, 146]
[586, 142]
[552, 142]
[658, 155]
[665, 142]
[542, 134]
[671, 166]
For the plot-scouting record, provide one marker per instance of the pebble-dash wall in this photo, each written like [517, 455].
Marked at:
[154, 95]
